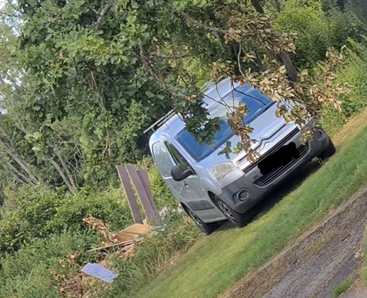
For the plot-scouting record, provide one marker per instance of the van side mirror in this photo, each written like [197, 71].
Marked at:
[178, 174]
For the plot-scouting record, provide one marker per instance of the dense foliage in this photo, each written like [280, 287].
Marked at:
[81, 80]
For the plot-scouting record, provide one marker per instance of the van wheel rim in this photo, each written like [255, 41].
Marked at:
[227, 212]
[197, 220]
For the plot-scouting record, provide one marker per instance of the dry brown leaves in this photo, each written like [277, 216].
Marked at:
[70, 285]
[81, 285]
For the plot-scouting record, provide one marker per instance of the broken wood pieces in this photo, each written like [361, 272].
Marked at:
[124, 240]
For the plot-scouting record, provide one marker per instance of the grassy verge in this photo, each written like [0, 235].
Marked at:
[215, 263]
[342, 287]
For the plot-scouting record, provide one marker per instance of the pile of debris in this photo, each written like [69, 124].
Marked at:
[125, 240]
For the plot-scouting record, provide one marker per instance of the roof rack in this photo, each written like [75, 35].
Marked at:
[161, 121]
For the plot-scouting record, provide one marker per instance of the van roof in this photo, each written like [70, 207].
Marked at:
[174, 124]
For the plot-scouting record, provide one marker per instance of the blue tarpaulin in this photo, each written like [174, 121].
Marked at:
[99, 272]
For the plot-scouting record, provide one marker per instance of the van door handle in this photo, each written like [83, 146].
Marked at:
[185, 184]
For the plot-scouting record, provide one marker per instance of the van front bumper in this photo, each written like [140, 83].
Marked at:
[247, 191]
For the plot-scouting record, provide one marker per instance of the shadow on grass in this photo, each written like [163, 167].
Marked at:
[289, 185]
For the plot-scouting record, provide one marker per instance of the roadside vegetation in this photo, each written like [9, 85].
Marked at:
[342, 287]
[75, 100]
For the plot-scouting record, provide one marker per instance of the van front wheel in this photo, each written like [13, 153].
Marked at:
[328, 152]
[237, 219]
[206, 228]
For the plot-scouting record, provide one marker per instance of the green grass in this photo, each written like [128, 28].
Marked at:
[342, 287]
[215, 263]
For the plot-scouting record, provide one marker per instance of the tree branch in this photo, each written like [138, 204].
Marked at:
[196, 23]
[151, 70]
[15, 156]
[20, 176]
[101, 15]
[61, 173]
[66, 169]
[284, 57]
[257, 6]
[172, 57]
[291, 70]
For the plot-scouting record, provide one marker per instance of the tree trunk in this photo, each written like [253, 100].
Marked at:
[341, 4]
[61, 173]
[291, 70]
[256, 4]
[20, 176]
[283, 56]
[66, 169]
[22, 164]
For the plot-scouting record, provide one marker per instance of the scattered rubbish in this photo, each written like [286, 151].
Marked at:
[164, 211]
[99, 272]
[123, 240]
[160, 228]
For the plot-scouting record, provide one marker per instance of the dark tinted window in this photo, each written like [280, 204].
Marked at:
[177, 157]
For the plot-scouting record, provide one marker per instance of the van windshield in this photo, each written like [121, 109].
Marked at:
[256, 102]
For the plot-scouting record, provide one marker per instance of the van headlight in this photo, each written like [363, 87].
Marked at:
[220, 170]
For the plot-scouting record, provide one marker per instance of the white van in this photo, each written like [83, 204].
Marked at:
[212, 188]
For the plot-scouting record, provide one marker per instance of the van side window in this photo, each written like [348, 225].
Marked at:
[162, 158]
[177, 157]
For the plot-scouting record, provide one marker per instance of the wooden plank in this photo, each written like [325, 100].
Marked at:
[140, 189]
[124, 177]
[143, 174]
[137, 229]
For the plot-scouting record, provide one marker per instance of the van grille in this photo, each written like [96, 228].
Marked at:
[269, 178]
[272, 150]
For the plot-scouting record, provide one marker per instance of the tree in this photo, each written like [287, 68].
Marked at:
[96, 73]
[81, 102]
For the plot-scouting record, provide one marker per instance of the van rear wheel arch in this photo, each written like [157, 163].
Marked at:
[206, 228]
[213, 197]
[185, 208]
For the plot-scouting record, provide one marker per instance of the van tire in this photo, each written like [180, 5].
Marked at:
[206, 228]
[236, 219]
[328, 152]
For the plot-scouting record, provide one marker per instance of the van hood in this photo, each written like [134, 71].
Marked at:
[265, 126]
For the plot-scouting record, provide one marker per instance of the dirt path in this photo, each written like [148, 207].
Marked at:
[316, 262]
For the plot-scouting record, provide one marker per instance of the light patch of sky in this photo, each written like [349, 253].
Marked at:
[2, 110]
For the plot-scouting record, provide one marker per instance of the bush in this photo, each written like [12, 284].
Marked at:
[353, 72]
[307, 19]
[39, 212]
[316, 30]
[27, 273]
[343, 26]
